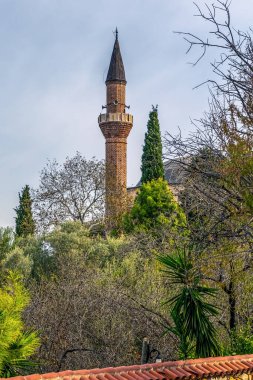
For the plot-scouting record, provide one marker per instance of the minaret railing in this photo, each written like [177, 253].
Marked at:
[123, 117]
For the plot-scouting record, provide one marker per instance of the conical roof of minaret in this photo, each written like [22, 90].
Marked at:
[116, 70]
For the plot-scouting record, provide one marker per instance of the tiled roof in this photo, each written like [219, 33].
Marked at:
[174, 171]
[227, 366]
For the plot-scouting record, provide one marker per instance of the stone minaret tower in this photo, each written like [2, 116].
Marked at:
[115, 125]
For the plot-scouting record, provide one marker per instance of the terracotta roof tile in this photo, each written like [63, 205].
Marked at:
[157, 375]
[195, 369]
[248, 363]
[197, 372]
[225, 367]
[203, 369]
[220, 368]
[169, 374]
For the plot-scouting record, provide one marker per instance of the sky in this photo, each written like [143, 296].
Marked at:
[54, 57]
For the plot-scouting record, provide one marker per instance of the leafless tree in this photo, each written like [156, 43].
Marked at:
[72, 191]
[217, 158]
[234, 67]
[224, 128]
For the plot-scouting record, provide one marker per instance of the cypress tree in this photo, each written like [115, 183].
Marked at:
[152, 164]
[25, 224]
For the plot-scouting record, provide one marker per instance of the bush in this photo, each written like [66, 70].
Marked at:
[155, 207]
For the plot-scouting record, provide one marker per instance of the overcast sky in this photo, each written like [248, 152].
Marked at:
[54, 57]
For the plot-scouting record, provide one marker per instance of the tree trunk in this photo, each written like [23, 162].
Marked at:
[231, 301]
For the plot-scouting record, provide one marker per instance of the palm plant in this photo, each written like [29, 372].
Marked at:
[185, 348]
[190, 310]
[16, 344]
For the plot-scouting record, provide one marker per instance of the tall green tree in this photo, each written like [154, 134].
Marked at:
[152, 164]
[25, 224]
[16, 343]
[189, 305]
[155, 207]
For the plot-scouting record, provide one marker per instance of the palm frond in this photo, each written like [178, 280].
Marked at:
[190, 310]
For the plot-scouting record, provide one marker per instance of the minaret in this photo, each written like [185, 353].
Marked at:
[115, 125]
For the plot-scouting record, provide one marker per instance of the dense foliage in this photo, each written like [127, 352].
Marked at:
[154, 208]
[112, 287]
[16, 343]
[151, 161]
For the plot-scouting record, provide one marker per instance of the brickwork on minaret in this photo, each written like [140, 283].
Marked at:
[115, 125]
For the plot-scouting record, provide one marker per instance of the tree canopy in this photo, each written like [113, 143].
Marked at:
[71, 191]
[155, 207]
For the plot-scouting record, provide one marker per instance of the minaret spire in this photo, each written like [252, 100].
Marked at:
[115, 125]
[116, 70]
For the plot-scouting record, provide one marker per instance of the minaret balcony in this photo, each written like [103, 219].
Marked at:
[112, 117]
